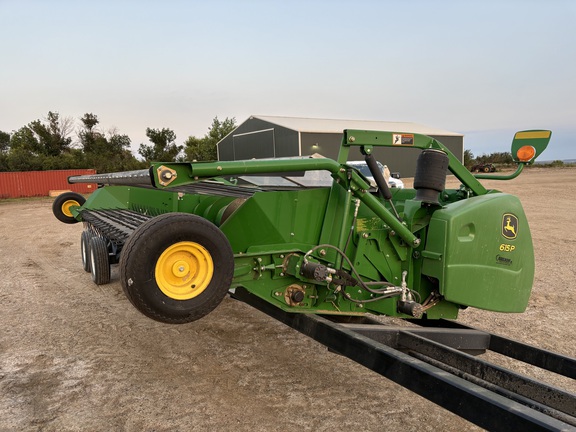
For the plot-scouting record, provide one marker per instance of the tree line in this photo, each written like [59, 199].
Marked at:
[500, 158]
[60, 143]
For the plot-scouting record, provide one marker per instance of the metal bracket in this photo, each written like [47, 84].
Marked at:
[166, 175]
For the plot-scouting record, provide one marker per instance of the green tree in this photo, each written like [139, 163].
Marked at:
[496, 158]
[39, 146]
[163, 148]
[203, 149]
[4, 148]
[468, 158]
[119, 143]
[119, 152]
[43, 139]
[90, 121]
[54, 135]
[89, 133]
[25, 152]
[24, 140]
[105, 152]
[4, 142]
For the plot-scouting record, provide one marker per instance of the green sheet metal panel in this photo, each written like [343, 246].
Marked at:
[277, 219]
[481, 251]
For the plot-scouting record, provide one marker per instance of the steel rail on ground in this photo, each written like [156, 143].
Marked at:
[418, 359]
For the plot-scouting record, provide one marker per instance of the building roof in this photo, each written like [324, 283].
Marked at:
[315, 125]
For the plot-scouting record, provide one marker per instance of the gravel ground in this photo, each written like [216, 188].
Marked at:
[75, 356]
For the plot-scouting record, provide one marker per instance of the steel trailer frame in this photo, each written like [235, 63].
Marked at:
[419, 359]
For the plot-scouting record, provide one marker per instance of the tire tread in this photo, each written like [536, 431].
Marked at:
[99, 263]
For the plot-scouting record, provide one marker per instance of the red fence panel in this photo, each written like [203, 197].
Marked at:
[40, 183]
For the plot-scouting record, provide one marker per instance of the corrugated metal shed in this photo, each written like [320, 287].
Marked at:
[262, 136]
[40, 183]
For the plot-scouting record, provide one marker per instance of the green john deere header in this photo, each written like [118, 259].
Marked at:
[185, 234]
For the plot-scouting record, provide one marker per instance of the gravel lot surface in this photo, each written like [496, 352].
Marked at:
[75, 356]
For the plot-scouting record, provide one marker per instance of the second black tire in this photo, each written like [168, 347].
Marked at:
[99, 261]
[85, 249]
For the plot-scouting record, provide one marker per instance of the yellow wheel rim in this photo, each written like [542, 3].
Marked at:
[184, 270]
[66, 205]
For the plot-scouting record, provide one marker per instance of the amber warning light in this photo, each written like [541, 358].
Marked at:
[526, 153]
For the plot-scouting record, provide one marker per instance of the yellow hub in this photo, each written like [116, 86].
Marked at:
[184, 270]
[66, 205]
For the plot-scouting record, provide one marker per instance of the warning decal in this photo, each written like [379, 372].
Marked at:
[403, 139]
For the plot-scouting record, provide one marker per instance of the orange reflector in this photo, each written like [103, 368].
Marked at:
[526, 153]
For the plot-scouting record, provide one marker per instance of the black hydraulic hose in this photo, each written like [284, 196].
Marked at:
[381, 182]
[383, 188]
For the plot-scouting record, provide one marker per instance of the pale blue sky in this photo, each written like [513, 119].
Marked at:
[481, 68]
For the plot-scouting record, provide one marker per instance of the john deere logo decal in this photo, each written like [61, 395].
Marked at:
[509, 226]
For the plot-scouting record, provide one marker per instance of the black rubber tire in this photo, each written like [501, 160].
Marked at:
[99, 262]
[144, 248]
[487, 169]
[61, 204]
[85, 238]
